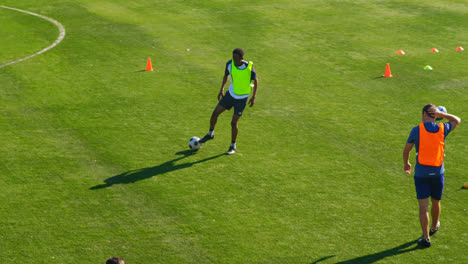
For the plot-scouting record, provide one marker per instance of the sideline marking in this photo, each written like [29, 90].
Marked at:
[60, 38]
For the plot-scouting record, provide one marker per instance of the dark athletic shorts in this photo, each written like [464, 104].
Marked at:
[429, 186]
[228, 102]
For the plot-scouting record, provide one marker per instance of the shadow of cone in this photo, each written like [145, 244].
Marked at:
[149, 67]
[387, 71]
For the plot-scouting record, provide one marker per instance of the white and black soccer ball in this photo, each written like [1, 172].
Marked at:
[193, 143]
[442, 109]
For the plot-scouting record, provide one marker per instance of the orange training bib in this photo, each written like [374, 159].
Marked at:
[431, 146]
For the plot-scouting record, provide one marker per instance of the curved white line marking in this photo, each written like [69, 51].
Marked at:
[60, 38]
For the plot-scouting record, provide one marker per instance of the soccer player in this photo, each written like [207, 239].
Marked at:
[429, 139]
[242, 75]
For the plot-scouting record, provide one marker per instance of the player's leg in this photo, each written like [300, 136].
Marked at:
[234, 127]
[226, 103]
[239, 106]
[214, 116]
[437, 188]
[435, 214]
[424, 216]
[423, 192]
[213, 120]
[234, 132]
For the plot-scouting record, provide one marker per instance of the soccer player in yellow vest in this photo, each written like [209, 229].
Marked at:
[242, 76]
[429, 140]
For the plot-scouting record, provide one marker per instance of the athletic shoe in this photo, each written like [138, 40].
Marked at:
[231, 150]
[424, 242]
[206, 138]
[434, 230]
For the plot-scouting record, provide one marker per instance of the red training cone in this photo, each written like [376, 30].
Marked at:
[459, 48]
[400, 52]
[387, 71]
[149, 67]
[434, 50]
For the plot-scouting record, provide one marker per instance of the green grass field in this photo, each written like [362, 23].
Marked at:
[93, 150]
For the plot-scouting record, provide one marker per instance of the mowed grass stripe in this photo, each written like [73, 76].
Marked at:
[50, 165]
[50, 176]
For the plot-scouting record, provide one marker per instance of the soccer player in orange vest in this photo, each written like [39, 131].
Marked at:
[429, 140]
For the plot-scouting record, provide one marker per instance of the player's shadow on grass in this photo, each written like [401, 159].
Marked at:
[146, 173]
[407, 247]
[322, 259]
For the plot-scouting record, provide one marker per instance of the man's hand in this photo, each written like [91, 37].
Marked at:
[454, 120]
[433, 112]
[406, 153]
[252, 101]
[408, 168]
[438, 113]
[221, 91]
[220, 95]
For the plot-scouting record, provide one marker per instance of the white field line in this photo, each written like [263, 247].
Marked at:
[60, 38]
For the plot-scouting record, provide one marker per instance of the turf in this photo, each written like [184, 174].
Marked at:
[94, 157]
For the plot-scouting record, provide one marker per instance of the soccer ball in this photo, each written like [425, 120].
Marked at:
[193, 144]
[442, 109]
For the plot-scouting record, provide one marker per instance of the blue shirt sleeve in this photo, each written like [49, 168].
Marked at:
[253, 76]
[447, 128]
[413, 135]
[226, 71]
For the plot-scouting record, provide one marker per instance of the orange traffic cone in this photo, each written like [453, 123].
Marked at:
[459, 48]
[400, 52]
[434, 50]
[149, 67]
[387, 71]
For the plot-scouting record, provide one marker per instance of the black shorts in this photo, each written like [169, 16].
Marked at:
[429, 186]
[228, 102]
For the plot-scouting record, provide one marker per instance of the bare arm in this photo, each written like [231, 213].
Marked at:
[221, 91]
[454, 120]
[406, 154]
[252, 98]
